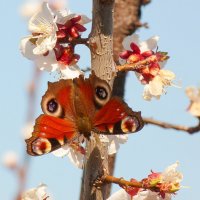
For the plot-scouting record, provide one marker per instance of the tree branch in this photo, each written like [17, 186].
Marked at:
[102, 63]
[190, 130]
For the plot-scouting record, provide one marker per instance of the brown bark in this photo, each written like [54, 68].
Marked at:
[103, 65]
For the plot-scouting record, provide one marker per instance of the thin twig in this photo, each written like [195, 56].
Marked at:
[140, 64]
[190, 130]
[121, 182]
[84, 41]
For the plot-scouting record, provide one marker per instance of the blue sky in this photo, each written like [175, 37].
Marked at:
[177, 24]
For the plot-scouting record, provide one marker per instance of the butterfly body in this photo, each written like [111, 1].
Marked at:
[77, 107]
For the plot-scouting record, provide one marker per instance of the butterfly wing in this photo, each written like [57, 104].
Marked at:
[115, 117]
[57, 126]
[49, 134]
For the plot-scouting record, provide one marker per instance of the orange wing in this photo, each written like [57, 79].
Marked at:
[115, 117]
[49, 134]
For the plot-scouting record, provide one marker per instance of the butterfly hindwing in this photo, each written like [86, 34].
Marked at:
[115, 117]
[49, 134]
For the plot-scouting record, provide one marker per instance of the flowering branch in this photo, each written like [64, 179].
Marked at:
[190, 130]
[134, 66]
[165, 183]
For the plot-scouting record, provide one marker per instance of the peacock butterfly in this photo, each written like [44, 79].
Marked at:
[79, 106]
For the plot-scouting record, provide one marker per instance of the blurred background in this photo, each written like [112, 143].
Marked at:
[178, 25]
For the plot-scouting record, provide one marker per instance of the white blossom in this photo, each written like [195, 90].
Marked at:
[194, 96]
[149, 195]
[65, 15]
[113, 142]
[75, 156]
[120, 195]
[157, 86]
[48, 62]
[38, 193]
[171, 175]
[142, 195]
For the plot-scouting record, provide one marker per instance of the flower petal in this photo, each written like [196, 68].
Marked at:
[70, 72]
[149, 44]
[75, 157]
[84, 20]
[167, 74]
[44, 16]
[149, 195]
[129, 39]
[26, 48]
[48, 62]
[171, 175]
[45, 44]
[156, 86]
[146, 94]
[38, 193]
[120, 195]
[194, 109]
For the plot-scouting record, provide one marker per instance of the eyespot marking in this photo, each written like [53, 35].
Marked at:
[52, 106]
[41, 146]
[129, 124]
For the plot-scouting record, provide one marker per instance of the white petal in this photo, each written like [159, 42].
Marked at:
[191, 92]
[167, 74]
[84, 20]
[170, 174]
[61, 152]
[131, 38]
[149, 44]
[120, 195]
[75, 157]
[146, 94]
[156, 86]
[62, 13]
[48, 63]
[194, 109]
[45, 15]
[38, 193]
[113, 147]
[115, 141]
[45, 44]
[149, 195]
[26, 48]
[70, 72]
[63, 17]
[104, 138]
